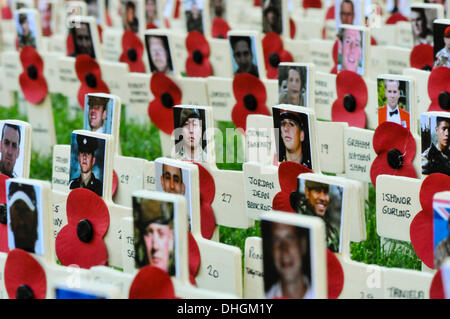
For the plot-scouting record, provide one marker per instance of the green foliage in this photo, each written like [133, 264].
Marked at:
[381, 95]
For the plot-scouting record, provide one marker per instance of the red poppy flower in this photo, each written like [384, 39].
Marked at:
[439, 89]
[312, 4]
[292, 28]
[167, 94]
[80, 242]
[132, 50]
[437, 287]
[250, 95]
[24, 276]
[197, 62]
[3, 219]
[274, 54]
[351, 99]
[287, 176]
[32, 80]
[421, 228]
[152, 283]
[335, 275]
[422, 57]
[6, 13]
[396, 17]
[90, 76]
[220, 28]
[394, 155]
[207, 194]
[256, 3]
[335, 57]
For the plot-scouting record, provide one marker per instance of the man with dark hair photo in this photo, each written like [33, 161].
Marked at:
[97, 113]
[272, 21]
[82, 39]
[294, 144]
[130, 21]
[316, 202]
[243, 55]
[422, 34]
[194, 15]
[295, 92]
[86, 159]
[192, 125]
[23, 214]
[347, 12]
[436, 158]
[172, 180]
[288, 256]
[26, 36]
[443, 56]
[154, 222]
[9, 149]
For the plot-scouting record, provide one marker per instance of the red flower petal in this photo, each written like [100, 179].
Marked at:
[194, 256]
[330, 13]
[335, 52]
[152, 283]
[287, 175]
[403, 141]
[271, 43]
[72, 251]
[335, 275]
[85, 89]
[3, 228]
[396, 17]
[83, 203]
[312, 4]
[282, 202]
[348, 82]
[197, 41]
[160, 115]
[34, 90]
[220, 28]
[421, 233]
[356, 118]
[246, 84]
[22, 269]
[437, 287]
[130, 41]
[292, 28]
[422, 55]
[208, 220]
[6, 13]
[202, 70]
[70, 47]
[431, 185]
[207, 194]
[438, 82]
[115, 183]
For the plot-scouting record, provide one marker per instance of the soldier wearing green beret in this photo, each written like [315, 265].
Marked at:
[190, 146]
[154, 234]
[315, 203]
[86, 149]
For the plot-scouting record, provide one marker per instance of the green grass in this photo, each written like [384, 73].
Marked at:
[143, 141]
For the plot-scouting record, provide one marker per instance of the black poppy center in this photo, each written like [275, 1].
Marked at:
[167, 100]
[395, 158]
[85, 231]
[90, 79]
[24, 292]
[197, 56]
[444, 100]
[250, 102]
[274, 59]
[349, 103]
[294, 199]
[220, 36]
[426, 67]
[3, 218]
[132, 54]
[32, 72]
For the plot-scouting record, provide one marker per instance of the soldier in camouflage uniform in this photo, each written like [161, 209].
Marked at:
[443, 56]
[315, 203]
[26, 37]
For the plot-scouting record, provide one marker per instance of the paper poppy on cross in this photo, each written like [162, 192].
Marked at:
[32, 81]
[274, 54]
[439, 89]
[197, 62]
[132, 51]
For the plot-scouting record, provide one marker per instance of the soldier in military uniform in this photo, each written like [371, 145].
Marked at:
[97, 113]
[315, 202]
[190, 146]
[443, 56]
[442, 249]
[86, 149]
[154, 220]
[194, 18]
[25, 38]
[436, 159]
[292, 133]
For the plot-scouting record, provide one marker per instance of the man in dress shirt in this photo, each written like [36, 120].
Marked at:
[391, 112]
